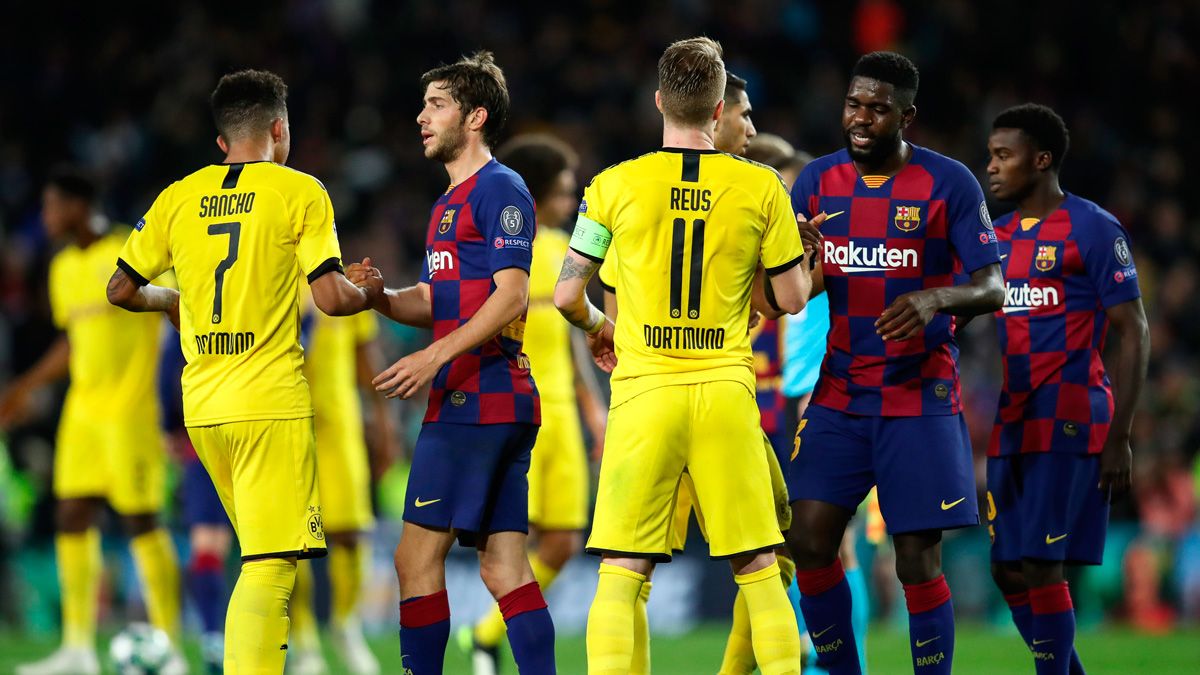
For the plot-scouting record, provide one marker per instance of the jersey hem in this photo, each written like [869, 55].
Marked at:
[653, 557]
[301, 554]
[214, 421]
[329, 265]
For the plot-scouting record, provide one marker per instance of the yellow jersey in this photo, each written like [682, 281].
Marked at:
[688, 228]
[331, 365]
[114, 353]
[547, 333]
[240, 238]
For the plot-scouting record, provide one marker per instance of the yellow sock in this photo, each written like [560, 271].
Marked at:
[347, 567]
[300, 610]
[256, 625]
[158, 566]
[641, 634]
[739, 649]
[610, 626]
[491, 628]
[773, 628]
[79, 563]
[787, 570]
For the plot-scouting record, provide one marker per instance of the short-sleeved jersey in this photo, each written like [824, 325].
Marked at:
[894, 235]
[476, 229]
[547, 333]
[331, 364]
[766, 340]
[114, 353]
[689, 228]
[1060, 276]
[241, 238]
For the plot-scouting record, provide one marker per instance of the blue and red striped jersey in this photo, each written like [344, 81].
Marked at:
[767, 343]
[477, 228]
[1060, 276]
[892, 236]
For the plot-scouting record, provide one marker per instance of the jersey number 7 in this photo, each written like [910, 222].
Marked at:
[695, 273]
[234, 230]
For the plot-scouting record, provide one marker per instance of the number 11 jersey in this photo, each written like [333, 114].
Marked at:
[241, 238]
[689, 228]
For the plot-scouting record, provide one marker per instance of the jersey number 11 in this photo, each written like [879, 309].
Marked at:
[696, 267]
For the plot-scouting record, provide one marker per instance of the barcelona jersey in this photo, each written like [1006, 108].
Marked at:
[476, 229]
[1060, 274]
[891, 236]
[767, 343]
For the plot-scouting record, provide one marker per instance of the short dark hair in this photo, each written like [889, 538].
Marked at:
[476, 81]
[247, 102]
[733, 85]
[776, 153]
[539, 159]
[1042, 125]
[73, 182]
[895, 69]
[691, 80]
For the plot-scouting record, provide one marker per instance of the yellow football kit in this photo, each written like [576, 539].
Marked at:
[688, 229]
[331, 367]
[240, 237]
[558, 473]
[109, 442]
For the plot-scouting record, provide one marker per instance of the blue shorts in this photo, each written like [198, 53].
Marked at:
[782, 442]
[1046, 506]
[201, 505]
[922, 466]
[471, 478]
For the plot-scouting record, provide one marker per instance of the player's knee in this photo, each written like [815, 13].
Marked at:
[1010, 581]
[501, 577]
[808, 548]
[555, 549]
[1039, 573]
[73, 515]
[139, 524]
[917, 569]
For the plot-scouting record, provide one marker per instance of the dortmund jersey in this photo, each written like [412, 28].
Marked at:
[331, 365]
[547, 333]
[689, 228]
[114, 353]
[240, 238]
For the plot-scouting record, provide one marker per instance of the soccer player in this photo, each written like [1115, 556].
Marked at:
[339, 356]
[1060, 447]
[562, 368]
[683, 388]
[896, 221]
[241, 235]
[468, 478]
[109, 446]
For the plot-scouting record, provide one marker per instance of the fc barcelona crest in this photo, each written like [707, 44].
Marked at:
[908, 218]
[1047, 257]
[447, 220]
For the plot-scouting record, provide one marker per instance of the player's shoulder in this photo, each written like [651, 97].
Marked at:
[945, 170]
[753, 170]
[812, 172]
[497, 179]
[1004, 221]
[623, 170]
[1086, 214]
[293, 179]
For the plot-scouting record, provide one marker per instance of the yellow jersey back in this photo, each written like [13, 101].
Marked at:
[547, 333]
[689, 228]
[241, 237]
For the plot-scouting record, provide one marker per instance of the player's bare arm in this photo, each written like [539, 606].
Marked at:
[908, 314]
[587, 392]
[505, 305]
[784, 293]
[570, 297]
[1128, 319]
[125, 293]
[336, 295]
[411, 306]
[51, 367]
[368, 359]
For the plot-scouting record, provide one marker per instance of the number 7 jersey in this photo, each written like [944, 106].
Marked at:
[241, 238]
[689, 228]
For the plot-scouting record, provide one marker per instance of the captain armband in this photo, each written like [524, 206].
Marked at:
[590, 239]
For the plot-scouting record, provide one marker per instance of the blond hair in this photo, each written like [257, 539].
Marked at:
[691, 80]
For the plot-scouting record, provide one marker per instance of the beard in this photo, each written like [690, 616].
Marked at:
[449, 145]
[874, 155]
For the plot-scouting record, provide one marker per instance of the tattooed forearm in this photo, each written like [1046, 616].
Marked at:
[123, 292]
[573, 269]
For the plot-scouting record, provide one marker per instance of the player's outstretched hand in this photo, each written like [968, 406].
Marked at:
[406, 377]
[907, 316]
[603, 351]
[366, 277]
[810, 231]
[14, 404]
[1116, 466]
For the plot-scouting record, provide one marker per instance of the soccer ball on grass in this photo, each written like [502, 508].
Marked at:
[140, 649]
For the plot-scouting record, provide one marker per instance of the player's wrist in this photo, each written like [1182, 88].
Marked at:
[595, 321]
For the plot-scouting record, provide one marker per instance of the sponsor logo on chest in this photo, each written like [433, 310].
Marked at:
[438, 261]
[1025, 298]
[853, 258]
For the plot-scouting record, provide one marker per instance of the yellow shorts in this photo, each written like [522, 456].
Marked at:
[558, 471]
[344, 475]
[686, 501]
[266, 475]
[711, 431]
[122, 461]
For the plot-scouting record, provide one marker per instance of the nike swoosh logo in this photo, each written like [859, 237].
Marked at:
[1051, 540]
[1042, 642]
[420, 503]
[956, 502]
[922, 643]
[1004, 256]
[817, 635]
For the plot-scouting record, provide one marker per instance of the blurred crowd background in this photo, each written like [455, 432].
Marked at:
[121, 89]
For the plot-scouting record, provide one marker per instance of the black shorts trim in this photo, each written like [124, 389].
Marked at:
[652, 557]
[132, 273]
[773, 271]
[302, 555]
[598, 261]
[753, 551]
[330, 265]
